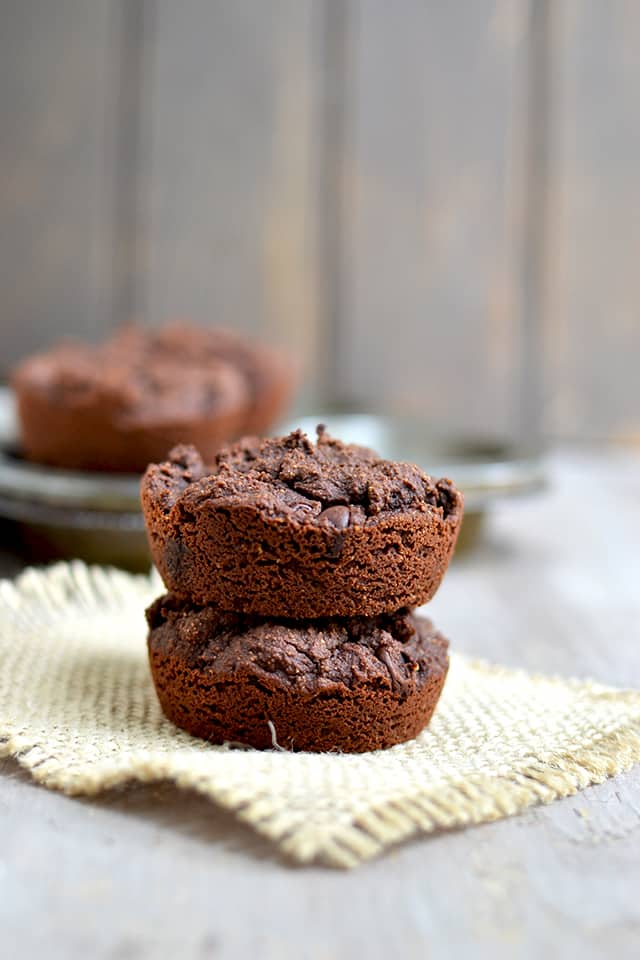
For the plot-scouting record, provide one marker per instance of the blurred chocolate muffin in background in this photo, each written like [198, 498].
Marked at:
[123, 403]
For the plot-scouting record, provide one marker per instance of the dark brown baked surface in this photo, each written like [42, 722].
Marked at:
[335, 684]
[124, 403]
[289, 528]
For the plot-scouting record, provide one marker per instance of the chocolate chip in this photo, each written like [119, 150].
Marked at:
[302, 510]
[337, 516]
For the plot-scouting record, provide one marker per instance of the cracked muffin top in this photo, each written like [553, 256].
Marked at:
[294, 478]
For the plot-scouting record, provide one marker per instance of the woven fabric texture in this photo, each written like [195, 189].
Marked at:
[78, 710]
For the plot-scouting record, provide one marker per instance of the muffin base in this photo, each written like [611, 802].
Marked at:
[334, 685]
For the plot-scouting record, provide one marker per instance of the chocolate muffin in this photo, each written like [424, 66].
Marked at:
[288, 528]
[332, 684]
[124, 403]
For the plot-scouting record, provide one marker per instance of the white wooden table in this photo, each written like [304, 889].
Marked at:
[149, 872]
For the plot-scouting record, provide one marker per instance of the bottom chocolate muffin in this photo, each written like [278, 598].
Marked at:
[349, 685]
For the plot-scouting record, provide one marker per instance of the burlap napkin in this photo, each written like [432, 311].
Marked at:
[77, 709]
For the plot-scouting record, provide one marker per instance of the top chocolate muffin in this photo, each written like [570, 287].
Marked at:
[289, 528]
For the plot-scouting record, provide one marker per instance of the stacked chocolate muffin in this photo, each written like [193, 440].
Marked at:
[293, 570]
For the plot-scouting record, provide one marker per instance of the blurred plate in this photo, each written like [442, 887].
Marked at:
[64, 513]
[56, 513]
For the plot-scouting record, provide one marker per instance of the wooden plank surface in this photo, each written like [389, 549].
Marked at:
[229, 181]
[149, 872]
[431, 205]
[58, 142]
[349, 178]
[593, 329]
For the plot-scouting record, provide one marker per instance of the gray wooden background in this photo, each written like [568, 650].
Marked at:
[437, 204]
